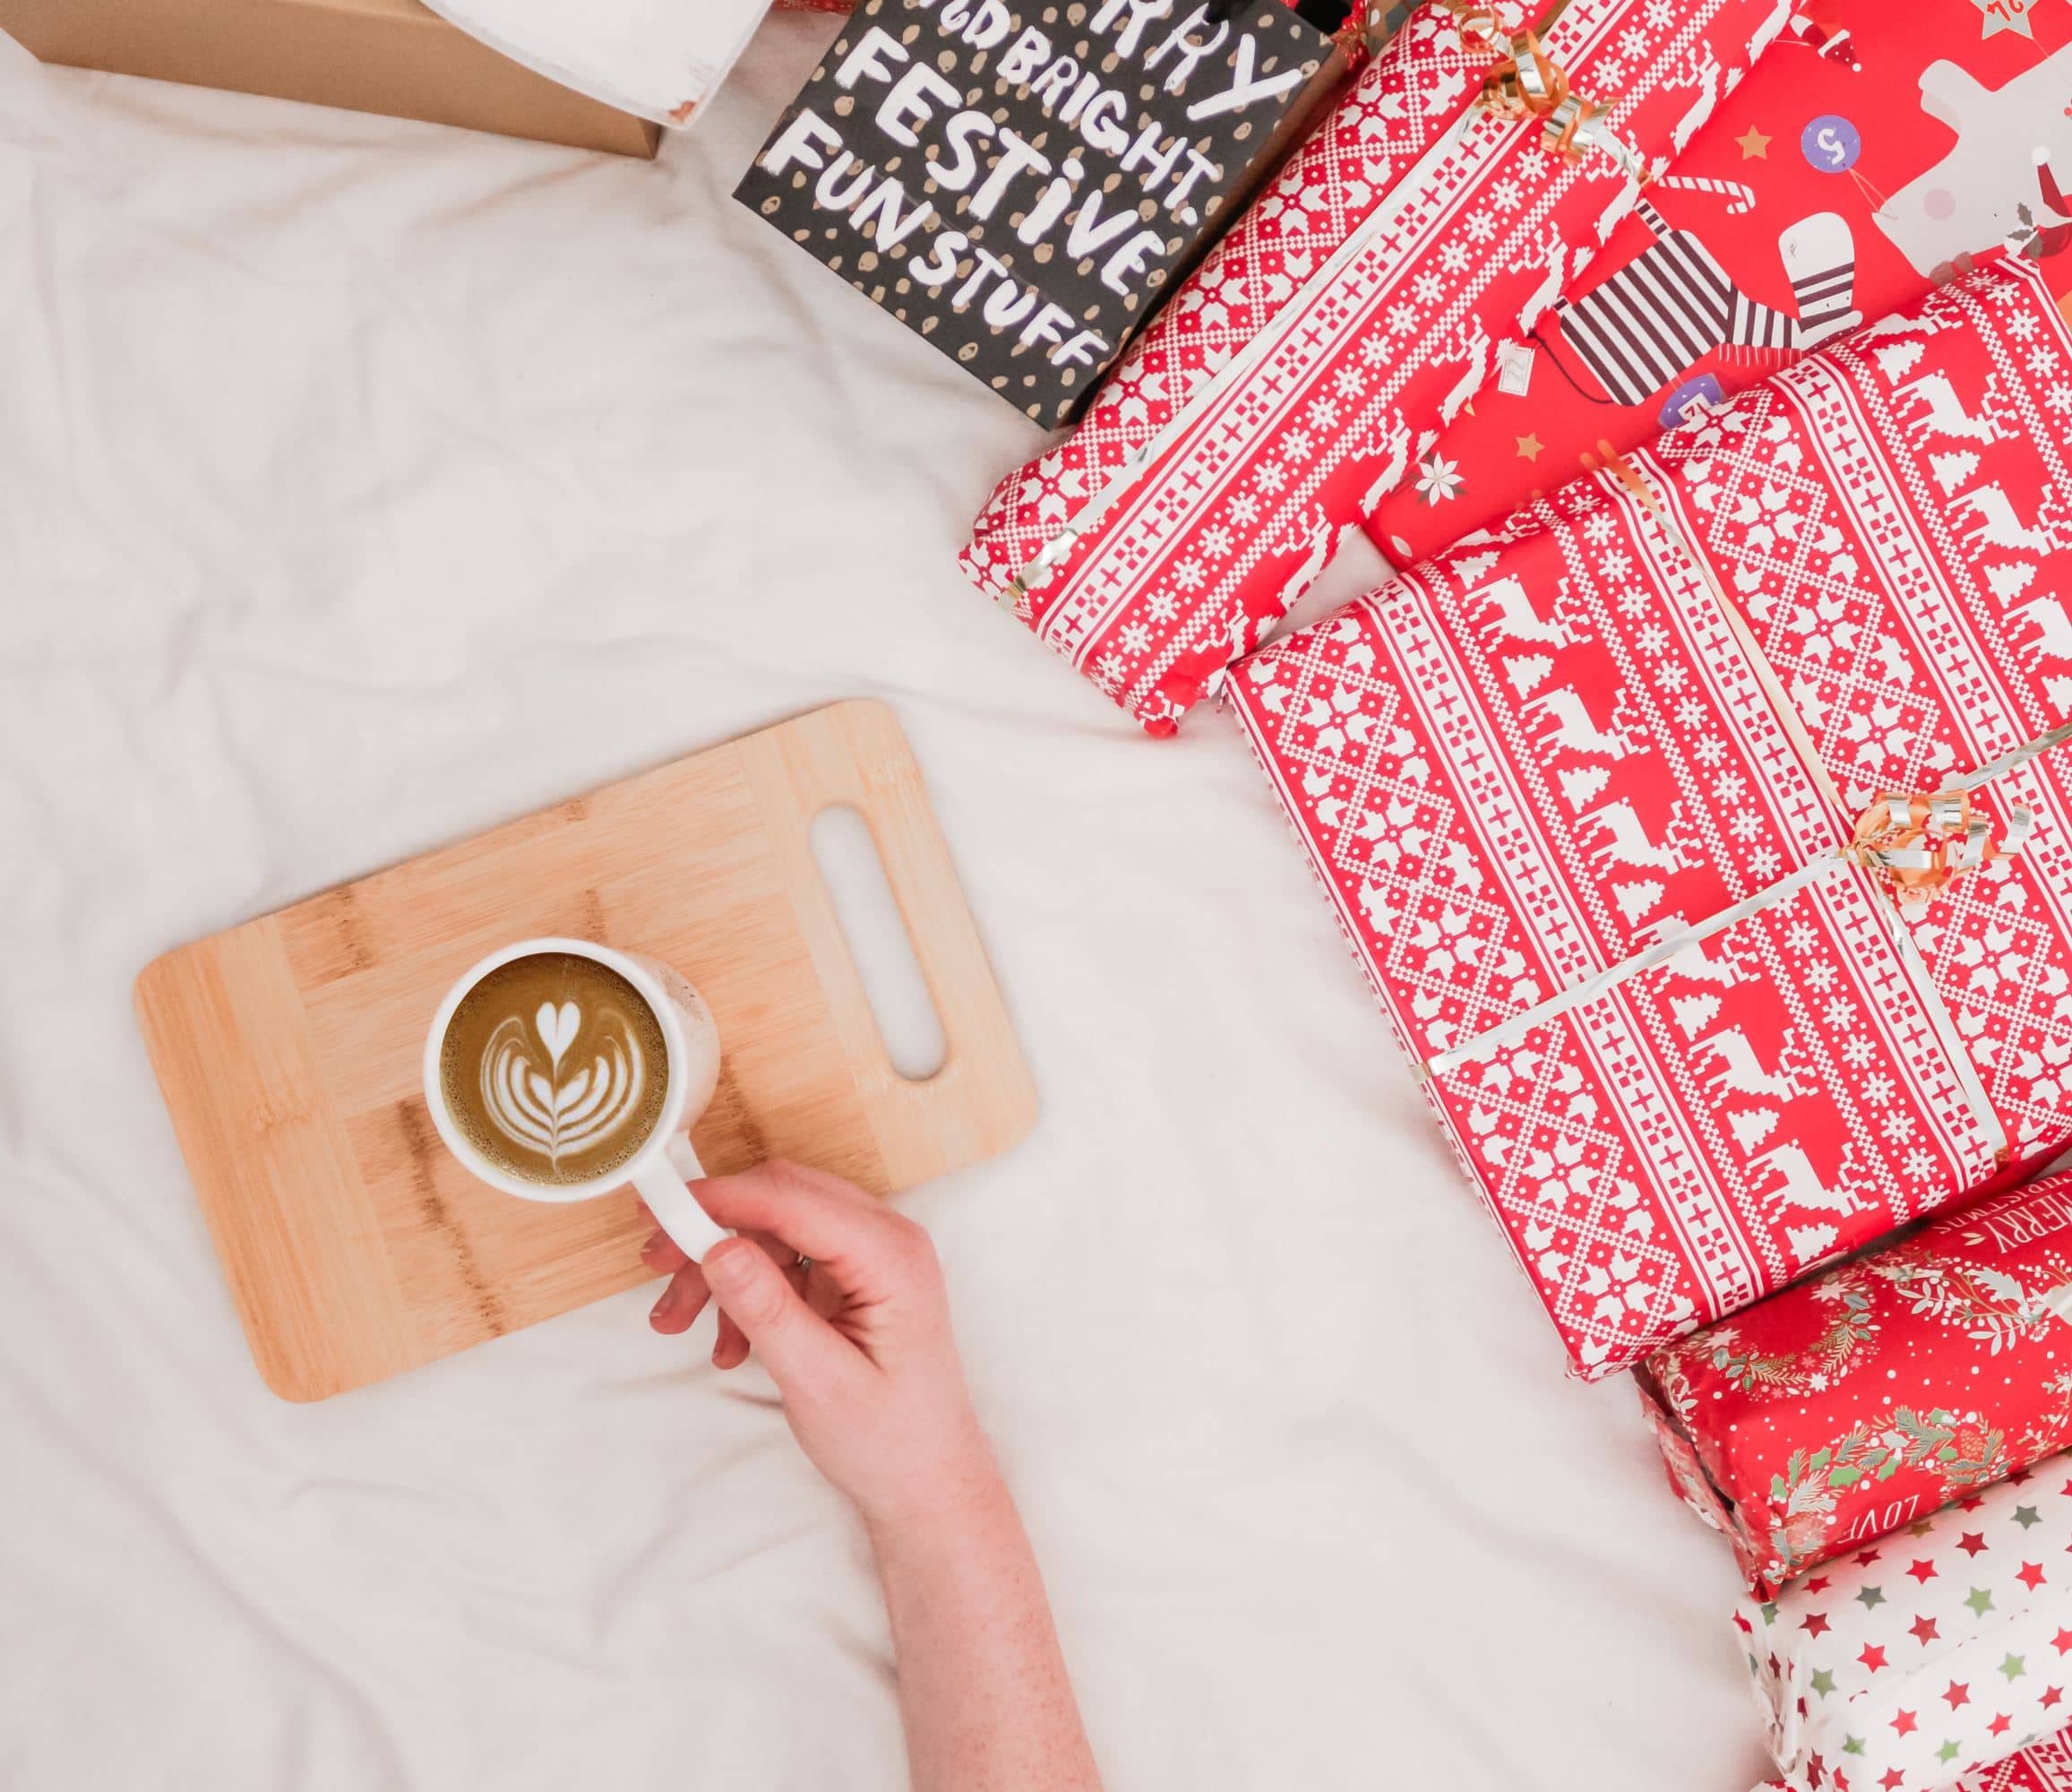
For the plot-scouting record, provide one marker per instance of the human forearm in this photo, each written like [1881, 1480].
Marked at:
[843, 1302]
[982, 1688]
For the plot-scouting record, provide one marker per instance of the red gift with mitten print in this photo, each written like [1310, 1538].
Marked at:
[1873, 152]
[1365, 298]
[1706, 828]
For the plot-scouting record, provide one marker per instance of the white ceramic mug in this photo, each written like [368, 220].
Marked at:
[666, 1161]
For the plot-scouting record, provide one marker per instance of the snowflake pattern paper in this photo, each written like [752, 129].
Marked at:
[1529, 759]
[2045, 1767]
[1454, 230]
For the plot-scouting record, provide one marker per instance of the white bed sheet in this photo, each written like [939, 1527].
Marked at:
[363, 483]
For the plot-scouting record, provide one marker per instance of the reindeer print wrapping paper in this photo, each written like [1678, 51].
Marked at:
[1320, 346]
[1848, 1406]
[1927, 1660]
[1529, 759]
[1872, 152]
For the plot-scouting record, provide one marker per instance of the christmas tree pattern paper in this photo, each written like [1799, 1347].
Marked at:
[1528, 770]
[1357, 306]
[1875, 152]
[1846, 1406]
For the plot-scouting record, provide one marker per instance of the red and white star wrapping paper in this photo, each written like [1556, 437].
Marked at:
[1468, 228]
[2045, 1767]
[1928, 1656]
[1845, 1406]
[1535, 755]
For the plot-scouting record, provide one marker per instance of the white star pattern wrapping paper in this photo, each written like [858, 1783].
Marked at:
[1936, 1652]
[2047, 1767]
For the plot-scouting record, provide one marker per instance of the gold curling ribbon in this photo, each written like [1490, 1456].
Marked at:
[1925, 843]
[1526, 82]
[1920, 843]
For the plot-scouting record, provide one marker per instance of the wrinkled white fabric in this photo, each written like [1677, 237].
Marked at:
[659, 59]
[363, 483]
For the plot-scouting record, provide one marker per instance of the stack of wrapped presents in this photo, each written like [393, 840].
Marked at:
[1697, 796]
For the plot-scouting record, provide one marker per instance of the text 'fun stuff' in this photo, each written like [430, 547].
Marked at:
[1066, 197]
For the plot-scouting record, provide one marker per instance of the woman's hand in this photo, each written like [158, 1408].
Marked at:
[858, 1342]
[858, 1339]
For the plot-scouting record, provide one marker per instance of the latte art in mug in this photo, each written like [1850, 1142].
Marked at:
[569, 1105]
[556, 1068]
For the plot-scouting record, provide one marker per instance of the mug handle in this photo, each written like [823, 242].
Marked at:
[661, 1184]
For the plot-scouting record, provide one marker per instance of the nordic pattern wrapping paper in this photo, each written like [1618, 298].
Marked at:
[1552, 747]
[1365, 296]
[2043, 1767]
[1846, 1406]
[1919, 1661]
[2047, 1767]
[1873, 152]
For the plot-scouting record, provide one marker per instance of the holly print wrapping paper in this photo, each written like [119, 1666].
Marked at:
[1665, 699]
[1364, 299]
[1929, 1656]
[1845, 1406]
[1872, 152]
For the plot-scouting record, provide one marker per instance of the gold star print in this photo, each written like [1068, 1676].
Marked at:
[1755, 146]
[1529, 447]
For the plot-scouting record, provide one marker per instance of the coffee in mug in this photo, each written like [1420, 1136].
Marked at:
[554, 1068]
[558, 1069]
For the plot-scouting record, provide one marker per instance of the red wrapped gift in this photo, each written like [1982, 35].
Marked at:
[1874, 150]
[1601, 800]
[1359, 304]
[1843, 1407]
[2045, 1767]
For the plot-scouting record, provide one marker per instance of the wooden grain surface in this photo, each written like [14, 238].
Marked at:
[288, 1049]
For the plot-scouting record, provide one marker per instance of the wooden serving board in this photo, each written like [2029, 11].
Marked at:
[289, 1049]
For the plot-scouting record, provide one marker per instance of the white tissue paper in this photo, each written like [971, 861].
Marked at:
[655, 58]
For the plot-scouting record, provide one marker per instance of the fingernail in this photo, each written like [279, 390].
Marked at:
[727, 1266]
[660, 1309]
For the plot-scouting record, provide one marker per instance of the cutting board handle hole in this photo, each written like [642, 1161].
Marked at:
[880, 945]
